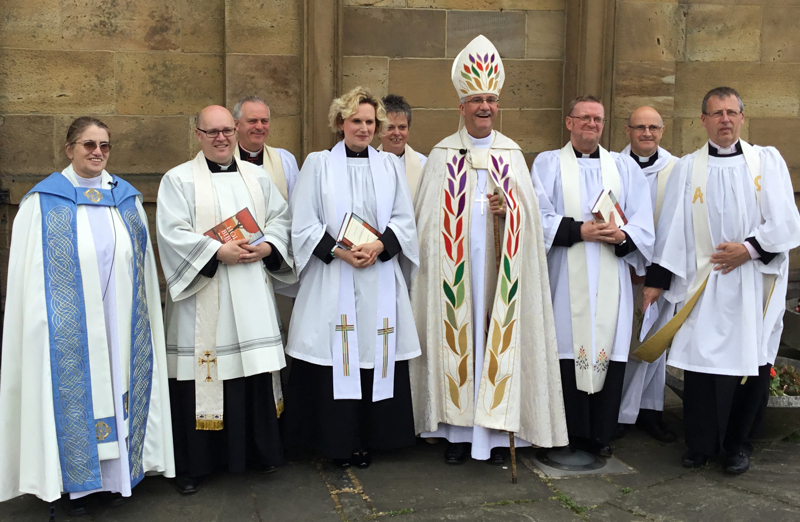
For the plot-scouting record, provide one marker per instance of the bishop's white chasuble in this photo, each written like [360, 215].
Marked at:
[518, 388]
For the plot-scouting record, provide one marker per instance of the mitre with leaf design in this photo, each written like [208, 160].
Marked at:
[478, 69]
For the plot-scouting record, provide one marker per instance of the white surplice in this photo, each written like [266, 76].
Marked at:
[248, 338]
[29, 454]
[311, 333]
[635, 203]
[644, 383]
[736, 336]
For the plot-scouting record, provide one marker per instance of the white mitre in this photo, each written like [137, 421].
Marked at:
[478, 69]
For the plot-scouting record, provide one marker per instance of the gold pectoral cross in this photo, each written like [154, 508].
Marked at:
[207, 361]
[385, 332]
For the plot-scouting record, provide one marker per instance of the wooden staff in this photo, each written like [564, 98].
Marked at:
[498, 256]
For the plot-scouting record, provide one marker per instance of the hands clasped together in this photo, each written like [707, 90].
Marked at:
[360, 256]
[602, 232]
[239, 251]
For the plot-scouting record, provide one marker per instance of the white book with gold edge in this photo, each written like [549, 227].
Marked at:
[355, 231]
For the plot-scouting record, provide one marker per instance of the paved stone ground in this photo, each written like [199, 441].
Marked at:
[415, 485]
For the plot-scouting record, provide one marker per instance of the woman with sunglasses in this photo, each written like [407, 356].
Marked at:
[84, 406]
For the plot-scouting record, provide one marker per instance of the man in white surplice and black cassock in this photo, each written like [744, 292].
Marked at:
[722, 255]
[489, 362]
[643, 389]
[590, 264]
[395, 140]
[252, 117]
[223, 337]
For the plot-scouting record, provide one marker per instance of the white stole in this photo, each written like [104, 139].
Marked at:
[591, 352]
[413, 168]
[208, 387]
[346, 368]
[661, 184]
[274, 167]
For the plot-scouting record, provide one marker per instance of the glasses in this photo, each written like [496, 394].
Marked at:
[91, 145]
[730, 112]
[642, 128]
[228, 131]
[588, 119]
[491, 100]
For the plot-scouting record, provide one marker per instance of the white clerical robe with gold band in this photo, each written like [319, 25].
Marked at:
[239, 326]
[736, 323]
[634, 199]
[504, 377]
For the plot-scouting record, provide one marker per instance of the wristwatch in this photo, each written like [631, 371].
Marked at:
[333, 250]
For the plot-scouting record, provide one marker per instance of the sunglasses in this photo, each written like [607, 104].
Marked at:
[91, 145]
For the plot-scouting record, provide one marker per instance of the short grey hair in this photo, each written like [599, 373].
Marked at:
[237, 109]
[394, 103]
[721, 93]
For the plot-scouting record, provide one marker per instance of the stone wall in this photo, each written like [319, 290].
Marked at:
[145, 67]
[669, 54]
[407, 47]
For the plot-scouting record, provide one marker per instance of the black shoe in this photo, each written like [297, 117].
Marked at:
[658, 431]
[621, 430]
[342, 463]
[603, 451]
[456, 452]
[737, 463]
[497, 456]
[112, 499]
[264, 468]
[361, 459]
[76, 507]
[692, 459]
[187, 485]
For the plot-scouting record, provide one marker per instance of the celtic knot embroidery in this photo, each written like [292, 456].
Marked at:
[73, 401]
[141, 346]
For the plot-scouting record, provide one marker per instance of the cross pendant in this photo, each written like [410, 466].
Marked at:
[482, 200]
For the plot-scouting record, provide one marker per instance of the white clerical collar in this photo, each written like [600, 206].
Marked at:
[644, 159]
[481, 143]
[722, 151]
[252, 154]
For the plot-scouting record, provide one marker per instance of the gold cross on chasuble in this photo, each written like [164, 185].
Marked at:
[207, 360]
[344, 328]
[385, 332]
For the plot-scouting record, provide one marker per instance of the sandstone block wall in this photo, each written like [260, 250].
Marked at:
[669, 54]
[145, 67]
[407, 47]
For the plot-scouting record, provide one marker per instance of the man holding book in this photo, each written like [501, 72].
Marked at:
[223, 338]
[590, 257]
[643, 389]
[482, 261]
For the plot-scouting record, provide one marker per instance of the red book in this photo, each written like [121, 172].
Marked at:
[355, 231]
[242, 225]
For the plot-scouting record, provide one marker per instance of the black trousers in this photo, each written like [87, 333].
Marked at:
[250, 437]
[336, 429]
[592, 418]
[719, 412]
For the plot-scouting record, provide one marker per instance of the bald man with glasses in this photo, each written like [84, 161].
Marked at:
[643, 388]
